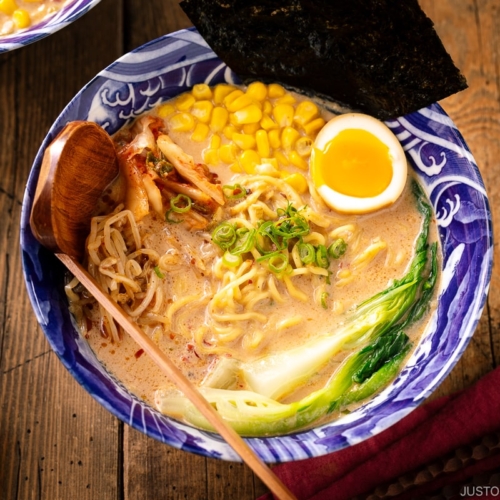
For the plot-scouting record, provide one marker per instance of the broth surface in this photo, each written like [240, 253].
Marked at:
[186, 317]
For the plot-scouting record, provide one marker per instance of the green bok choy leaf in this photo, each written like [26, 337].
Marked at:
[252, 414]
[278, 374]
[374, 332]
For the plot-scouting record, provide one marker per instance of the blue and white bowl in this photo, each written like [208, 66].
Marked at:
[436, 151]
[47, 26]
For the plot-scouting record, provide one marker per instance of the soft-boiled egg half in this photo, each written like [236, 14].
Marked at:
[357, 164]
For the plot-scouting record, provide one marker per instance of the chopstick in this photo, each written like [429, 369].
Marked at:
[188, 389]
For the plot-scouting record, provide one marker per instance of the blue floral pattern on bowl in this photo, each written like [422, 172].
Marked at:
[446, 169]
[47, 26]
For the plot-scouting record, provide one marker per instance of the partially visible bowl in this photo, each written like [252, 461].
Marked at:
[446, 169]
[52, 23]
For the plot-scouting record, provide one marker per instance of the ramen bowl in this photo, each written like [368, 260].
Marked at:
[50, 24]
[436, 152]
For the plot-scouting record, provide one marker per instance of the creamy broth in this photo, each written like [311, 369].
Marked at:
[398, 227]
[17, 15]
[195, 333]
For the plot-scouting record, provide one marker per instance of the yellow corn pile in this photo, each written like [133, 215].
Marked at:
[262, 124]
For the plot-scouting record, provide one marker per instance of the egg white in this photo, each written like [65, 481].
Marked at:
[358, 205]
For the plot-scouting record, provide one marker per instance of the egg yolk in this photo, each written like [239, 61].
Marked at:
[354, 163]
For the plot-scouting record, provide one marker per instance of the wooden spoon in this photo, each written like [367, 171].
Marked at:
[76, 168]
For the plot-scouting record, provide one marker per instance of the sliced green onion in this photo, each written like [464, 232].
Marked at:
[245, 241]
[307, 253]
[289, 211]
[268, 255]
[292, 227]
[324, 296]
[327, 278]
[236, 191]
[158, 272]
[181, 204]
[278, 263]
[151, 158]
[268, 229]
[224, 235]
[160, 165]
[337, 248]
[231, 260]
[173, 221]
[322, 257]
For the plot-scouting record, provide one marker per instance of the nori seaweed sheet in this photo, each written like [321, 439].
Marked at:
[381, 57]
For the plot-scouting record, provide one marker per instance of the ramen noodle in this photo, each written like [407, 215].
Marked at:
[216, 242]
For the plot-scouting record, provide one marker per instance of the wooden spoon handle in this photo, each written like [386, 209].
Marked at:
[189, 390]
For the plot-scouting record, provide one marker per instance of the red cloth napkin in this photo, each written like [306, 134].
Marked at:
[449, 448]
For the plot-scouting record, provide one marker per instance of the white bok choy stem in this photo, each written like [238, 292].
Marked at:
[257, 412]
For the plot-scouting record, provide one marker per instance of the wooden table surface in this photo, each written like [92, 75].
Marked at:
[56, 442]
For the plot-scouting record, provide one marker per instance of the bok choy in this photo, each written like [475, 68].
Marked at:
[278, 374]
[374, 334]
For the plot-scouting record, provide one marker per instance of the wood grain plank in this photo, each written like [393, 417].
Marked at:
[155, 471]
[149, 20]
[54, 439]
[467, 29]
[230, 480]
[487, 142]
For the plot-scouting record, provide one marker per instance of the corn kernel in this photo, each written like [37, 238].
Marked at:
[270, 161]
[305, 112]
[249, 114]
[267, 123]
[274, 138]
[227, 153]
[182, 122]
[266, 168]
[262, 143]
[282, 159]
[232, 96]
[202, 91]
[215, 141]
[8, 6]
[257, 91]
[211, 156]
[248, 160]
[219, 119]
[200, 132]
[298, 182]
[235, 167]
[221, 91]
[297, 160]
[228, 131]
[202, 110]
[267, 107]
[240, 102]
[165, 110]
[283, 114]
[313, 127]
[250, 128]
[21, 18]
[289, 137]
[244, 141]
[275, 90]
[184, 102]
[303, 146]
[286, 99]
